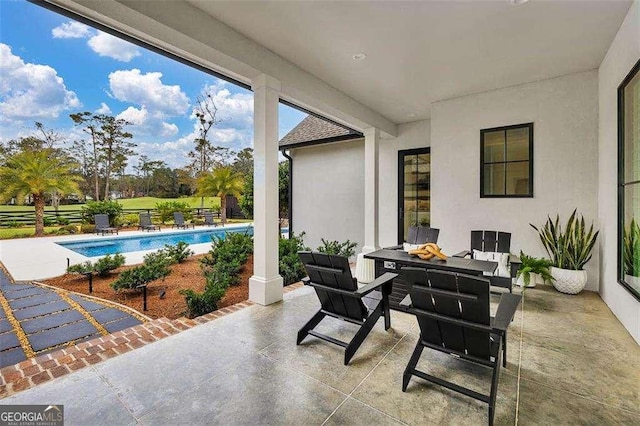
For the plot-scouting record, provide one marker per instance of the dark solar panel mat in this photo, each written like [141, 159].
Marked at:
[108, 315]
[40, 299]
[11, 357]
[35, 311]
[121, 324]
[87, 304]
[51, 321]
[8, 340]
[63, 334]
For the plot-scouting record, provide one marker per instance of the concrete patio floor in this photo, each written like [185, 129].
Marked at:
[570, 362]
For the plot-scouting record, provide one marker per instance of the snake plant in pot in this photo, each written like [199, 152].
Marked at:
[631, 250]
[569, 249]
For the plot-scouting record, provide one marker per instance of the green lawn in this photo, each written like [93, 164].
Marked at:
[131, 203]
[8, 233]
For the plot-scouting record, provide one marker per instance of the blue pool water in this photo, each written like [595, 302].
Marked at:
[103, 246]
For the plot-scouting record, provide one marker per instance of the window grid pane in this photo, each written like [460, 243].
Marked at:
[506, 162]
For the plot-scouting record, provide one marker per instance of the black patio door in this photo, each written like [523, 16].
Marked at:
[414, 190]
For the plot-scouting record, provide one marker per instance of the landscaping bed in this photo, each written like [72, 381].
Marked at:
[185, 275]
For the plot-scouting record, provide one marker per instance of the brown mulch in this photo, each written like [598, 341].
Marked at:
[186, 275]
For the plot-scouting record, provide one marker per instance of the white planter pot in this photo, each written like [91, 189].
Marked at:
[568, 281]
[533, 280]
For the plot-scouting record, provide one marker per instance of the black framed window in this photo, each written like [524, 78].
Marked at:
[629, 181]
[506, 161]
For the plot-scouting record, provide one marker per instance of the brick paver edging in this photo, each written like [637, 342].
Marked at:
[34, 371]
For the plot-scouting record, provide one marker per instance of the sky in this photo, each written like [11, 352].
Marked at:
[51, 66]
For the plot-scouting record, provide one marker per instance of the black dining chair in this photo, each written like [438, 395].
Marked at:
[497, 242]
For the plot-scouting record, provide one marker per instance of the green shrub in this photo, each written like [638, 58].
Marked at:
[158, 262]
[81, 268]
[155, 266]
[345, 249]
[63, 221]
[167, 209]
[71, 229]
[129, 220]
[108, 263]
[178, 253]
[13, 224]
[202, 303]
[197, 221]
[221, 268]
[109, 207]
[291, 268]
[68, 229]
[87, 229]
[235, 247]
[47, 221]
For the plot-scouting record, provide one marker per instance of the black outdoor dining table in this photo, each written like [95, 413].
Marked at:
[390, 260]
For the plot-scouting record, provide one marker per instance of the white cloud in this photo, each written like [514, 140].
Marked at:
[113, 47]
[148, 90]
[234, 109]
[71, 29]
[136, 117]
[104, 109]
[148, 124]
[31, 91]
[168, 129]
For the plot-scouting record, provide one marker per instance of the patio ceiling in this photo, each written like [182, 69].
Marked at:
[422, 52]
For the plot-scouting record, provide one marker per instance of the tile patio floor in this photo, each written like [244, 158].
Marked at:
[570, 362]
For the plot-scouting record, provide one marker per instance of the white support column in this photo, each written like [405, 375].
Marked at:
[265, 286]
[371, 140]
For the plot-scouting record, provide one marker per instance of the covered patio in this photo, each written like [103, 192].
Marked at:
[570, 362]
[572, 359]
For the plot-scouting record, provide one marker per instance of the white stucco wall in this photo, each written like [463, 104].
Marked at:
[622, 55]
[564, 111]
[410, 135]
[328, 187]
[328, 192]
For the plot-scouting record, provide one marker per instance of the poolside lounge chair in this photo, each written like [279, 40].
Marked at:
[103, 225]
[494, 246]
[340, 298]
[146, 224]
[178, 221]
[208, 219]
[453, 315]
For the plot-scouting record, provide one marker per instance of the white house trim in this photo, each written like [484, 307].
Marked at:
[265, 286]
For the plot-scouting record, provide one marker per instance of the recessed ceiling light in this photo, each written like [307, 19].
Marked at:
[412, 115]
[517, 2]
[359, 56]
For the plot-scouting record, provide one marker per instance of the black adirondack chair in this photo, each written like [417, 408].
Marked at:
[208, 219]
[178, 221]
[146, 224]
[102, 224]
[341, 298]
[419, 235]
[453, 315]
[494, 241]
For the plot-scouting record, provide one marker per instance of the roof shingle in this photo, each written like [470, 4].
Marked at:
[315, 129]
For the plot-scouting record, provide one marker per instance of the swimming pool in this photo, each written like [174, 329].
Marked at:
[104, 246]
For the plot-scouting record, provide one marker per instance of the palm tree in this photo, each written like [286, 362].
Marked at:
[221, 182]
[36, 173]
